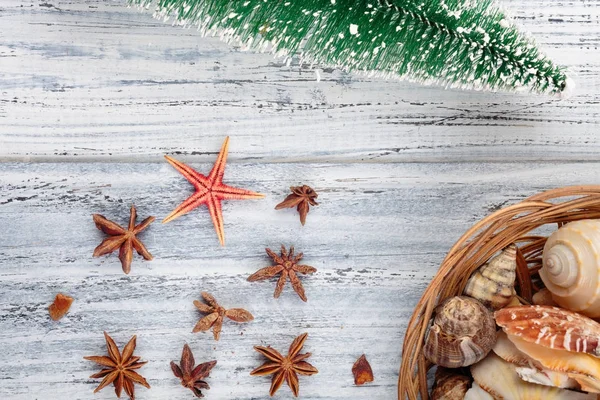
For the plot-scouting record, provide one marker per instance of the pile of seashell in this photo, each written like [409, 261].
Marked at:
[548, 350]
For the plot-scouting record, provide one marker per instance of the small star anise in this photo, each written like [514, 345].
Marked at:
[216, 314]
[285, 368]
[119, 368]
[123, 239]
[192, 378]
[301, 198]
[287, 266]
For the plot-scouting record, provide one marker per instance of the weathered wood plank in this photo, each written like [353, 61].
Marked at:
[97, 81]
[376, 239]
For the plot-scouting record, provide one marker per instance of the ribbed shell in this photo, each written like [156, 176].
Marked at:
[576, 365]
[449, 385]
[500, 379]
[494, 283]
[463, 332]
[506, 350]
[551, 327]
[529, 369]
[571, 264]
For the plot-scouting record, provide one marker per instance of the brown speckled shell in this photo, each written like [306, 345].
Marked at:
[463, 332]
[551, 327]
[494, 283]
[449, 385]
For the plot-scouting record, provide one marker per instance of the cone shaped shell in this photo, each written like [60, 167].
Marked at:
[493, 283]
[551, 327]
[463, 332]
[500, 379]
[571, 265]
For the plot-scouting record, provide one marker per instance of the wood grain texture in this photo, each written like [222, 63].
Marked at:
[376, 239]
[93, 94]
[94, 80]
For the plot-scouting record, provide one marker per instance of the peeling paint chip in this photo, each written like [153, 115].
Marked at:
[362, 371]
[60, 307]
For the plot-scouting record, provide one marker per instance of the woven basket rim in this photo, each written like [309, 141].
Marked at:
[511, 224]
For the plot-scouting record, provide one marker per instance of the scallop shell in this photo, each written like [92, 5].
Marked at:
[506, 350]
[463, 332]
[529, 369]
[575, 364]
[449, 385]
[571, 260]
[551, 327]
[499, 378]
[587, 383]
[493, 283]
[547, 377]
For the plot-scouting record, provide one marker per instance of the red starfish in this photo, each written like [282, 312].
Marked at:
[210, 190]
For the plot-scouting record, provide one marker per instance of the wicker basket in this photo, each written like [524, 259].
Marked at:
[512, 224]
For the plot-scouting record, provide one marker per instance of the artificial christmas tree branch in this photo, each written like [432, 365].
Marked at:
[457, 43]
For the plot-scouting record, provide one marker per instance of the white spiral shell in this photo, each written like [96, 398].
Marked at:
[571, 267]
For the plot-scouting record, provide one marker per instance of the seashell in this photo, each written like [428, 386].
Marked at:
[587, 383]
[544, 298]
[500, 379]
[449, 385]
[494, 283]
[463, 332]
[575, 364]
[477, 393]
[529, 369]
[571, 259]
[547, 377]
[506, 350]
[551, 327]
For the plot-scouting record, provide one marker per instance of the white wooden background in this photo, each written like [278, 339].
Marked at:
[93, 94]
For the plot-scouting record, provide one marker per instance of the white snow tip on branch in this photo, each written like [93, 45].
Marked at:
[353, 29]
[569, 89]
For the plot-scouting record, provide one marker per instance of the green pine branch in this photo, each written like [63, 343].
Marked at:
[458, 43]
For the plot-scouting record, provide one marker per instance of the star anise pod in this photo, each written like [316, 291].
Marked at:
[288, 267]
[123, 239]
[216, 314]
[192, 378]
[301, 198]
[285, 368]
[119, 368]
